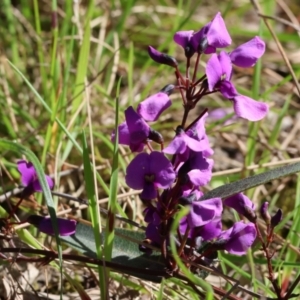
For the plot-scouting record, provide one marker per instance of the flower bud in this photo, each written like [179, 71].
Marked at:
[162, 58]
[276, 219]
[250, 214]
[264, 213]
[189, 50]
[202, 45]
[168, 89]
[155, 136]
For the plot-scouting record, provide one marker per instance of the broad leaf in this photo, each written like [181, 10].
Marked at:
[125, 250]
[252, 181]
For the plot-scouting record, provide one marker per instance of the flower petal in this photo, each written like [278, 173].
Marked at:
[124, 135]
[44, 224]
[249, 109]
[162, 169]
[217, 34]
[139, 130]
[27, 171]
[239, 202]
[149, 191]
[241, 238]
[37, 187]
[183, 38]
[226, 64]
[211, 229]
[213, 71]
[152, 107]
[227, 89]
[202, 212]
[247, 54]
[136, 171]
[199, 178]
[177, 145]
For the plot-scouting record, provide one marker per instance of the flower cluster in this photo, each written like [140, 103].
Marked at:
[171, 177]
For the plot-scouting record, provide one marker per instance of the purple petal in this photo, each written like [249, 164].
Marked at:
[44, 224]
[202, 212]
[162, 58]
[197, 131]
[183, 38]
[226, 64]
[211, 229]
[199, 36]
[27, 171]
[213, 71]
[239, 202]
[136, 171]
[249, 109]
[228, 90]
[152, 233]
[217, 34]
[241, 239]
[37, 187]
[149, 191]
[151, 108]
[198, 161]
[139, 130]
[193, 144]
[124, 135]
[199, 178]
[246, 55]
[162, 169]
[177, 145]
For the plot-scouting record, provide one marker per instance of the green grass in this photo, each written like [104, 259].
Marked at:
[59, 81]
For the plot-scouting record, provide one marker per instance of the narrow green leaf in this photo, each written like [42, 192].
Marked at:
[252, 181]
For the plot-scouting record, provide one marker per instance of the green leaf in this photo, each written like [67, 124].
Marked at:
[125, 251]
[252, 181]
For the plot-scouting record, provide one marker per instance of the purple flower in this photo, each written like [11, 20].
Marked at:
[29, 178]
[197, 168]
[213, 35]
[243, 205]
[152, 107]
[183, 38]
[238, 239]
[182, 142]
[201, 213]
[247, 54]
[162, 58]
[219, 71]
[44, 224]
[134, 132]
[197, 132]
[149, 172]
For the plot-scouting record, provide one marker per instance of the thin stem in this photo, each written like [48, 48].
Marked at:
[268, 256]
[183, 242]
[196, 66]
